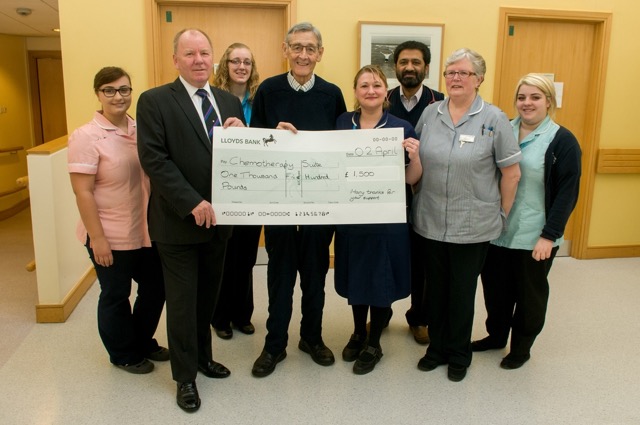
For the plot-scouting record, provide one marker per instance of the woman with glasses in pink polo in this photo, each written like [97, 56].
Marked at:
[237, 73]
[470, 174]
[112, 193]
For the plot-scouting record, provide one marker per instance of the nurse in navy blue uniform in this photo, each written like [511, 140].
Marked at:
[372, 261]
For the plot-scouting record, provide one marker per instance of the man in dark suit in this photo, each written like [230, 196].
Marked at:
[174, 145]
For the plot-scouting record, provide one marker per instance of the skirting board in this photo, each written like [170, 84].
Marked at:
[58, 313]
[620, 251]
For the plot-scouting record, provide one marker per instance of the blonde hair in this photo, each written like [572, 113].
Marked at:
[222, 79]
[544, 84]
[377, 72]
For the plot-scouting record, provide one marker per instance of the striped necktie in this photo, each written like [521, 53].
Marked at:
[207, 112]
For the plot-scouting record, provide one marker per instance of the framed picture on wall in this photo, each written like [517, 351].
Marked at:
[378, 40]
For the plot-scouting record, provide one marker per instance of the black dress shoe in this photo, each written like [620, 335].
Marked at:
[514, 361]
[485, 344]
[456, 372]
[353, 348]
[187, 397]
[367, 360]
[214, 370]
[266, 363]
[224, 333]
[427, 364]
[320, 353]
[247, 329]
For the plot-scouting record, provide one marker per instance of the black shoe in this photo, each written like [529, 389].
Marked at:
[485, 344]
[367, 360]
[426, 364]
[353, 348]
[187, 397]
[214, 370]
[456, 372]
[140, 368]
[247, 329]
[320, 353]
[514, 361]
[266, 363]
[160, 355]
[226, 333]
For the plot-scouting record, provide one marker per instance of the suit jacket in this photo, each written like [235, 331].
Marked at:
[175, 152]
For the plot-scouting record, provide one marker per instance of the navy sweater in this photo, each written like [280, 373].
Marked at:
[317, 109]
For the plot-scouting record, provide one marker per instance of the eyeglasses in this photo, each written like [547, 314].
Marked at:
[298, 48]
[462, 74]
[111, 91]
[238, 61]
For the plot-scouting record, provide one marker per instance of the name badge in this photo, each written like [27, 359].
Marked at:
[466, 138]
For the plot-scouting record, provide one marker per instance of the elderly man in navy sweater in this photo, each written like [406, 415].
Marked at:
[297, 100]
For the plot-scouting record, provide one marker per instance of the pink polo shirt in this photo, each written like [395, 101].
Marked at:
[121, 188]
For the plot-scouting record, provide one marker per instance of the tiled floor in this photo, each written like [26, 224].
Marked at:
[583, 369]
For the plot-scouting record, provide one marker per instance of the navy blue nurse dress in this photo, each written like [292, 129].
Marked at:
[372, 263]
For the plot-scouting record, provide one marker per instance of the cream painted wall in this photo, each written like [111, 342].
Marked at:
[88, 44]
[92, 37]
[15, 123]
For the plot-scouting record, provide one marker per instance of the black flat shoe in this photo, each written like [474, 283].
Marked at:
[160, 355]
[140, 368]
[224, 333]
[353, 348]
[514, 361]
[367, 360]
[320, 353]
[214, 370]
[427, 365]
[187, 397]
[266, 363]
[456, 373]
[486, 344]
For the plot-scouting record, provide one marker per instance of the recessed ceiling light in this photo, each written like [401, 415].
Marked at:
[55, 29]
[23, 11]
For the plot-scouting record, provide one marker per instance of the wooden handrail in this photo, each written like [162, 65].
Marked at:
[618, 161]
[13, 149]
[12, 191]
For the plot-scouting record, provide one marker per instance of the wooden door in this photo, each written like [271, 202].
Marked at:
[47, 96]
[571, 50]
[259, 27]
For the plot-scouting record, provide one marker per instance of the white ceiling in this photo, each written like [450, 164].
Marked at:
[43, 18]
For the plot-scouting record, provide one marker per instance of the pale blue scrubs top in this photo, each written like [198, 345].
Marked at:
[527, 217]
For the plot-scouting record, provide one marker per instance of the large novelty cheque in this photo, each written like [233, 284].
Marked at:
[266, 176]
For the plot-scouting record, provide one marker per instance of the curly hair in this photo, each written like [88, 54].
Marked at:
[222, 79]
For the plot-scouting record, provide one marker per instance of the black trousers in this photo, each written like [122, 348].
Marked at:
[235, 303]
[516, 294]
[192, 275]
[293, 249]
[128, 334]
[452, 276]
